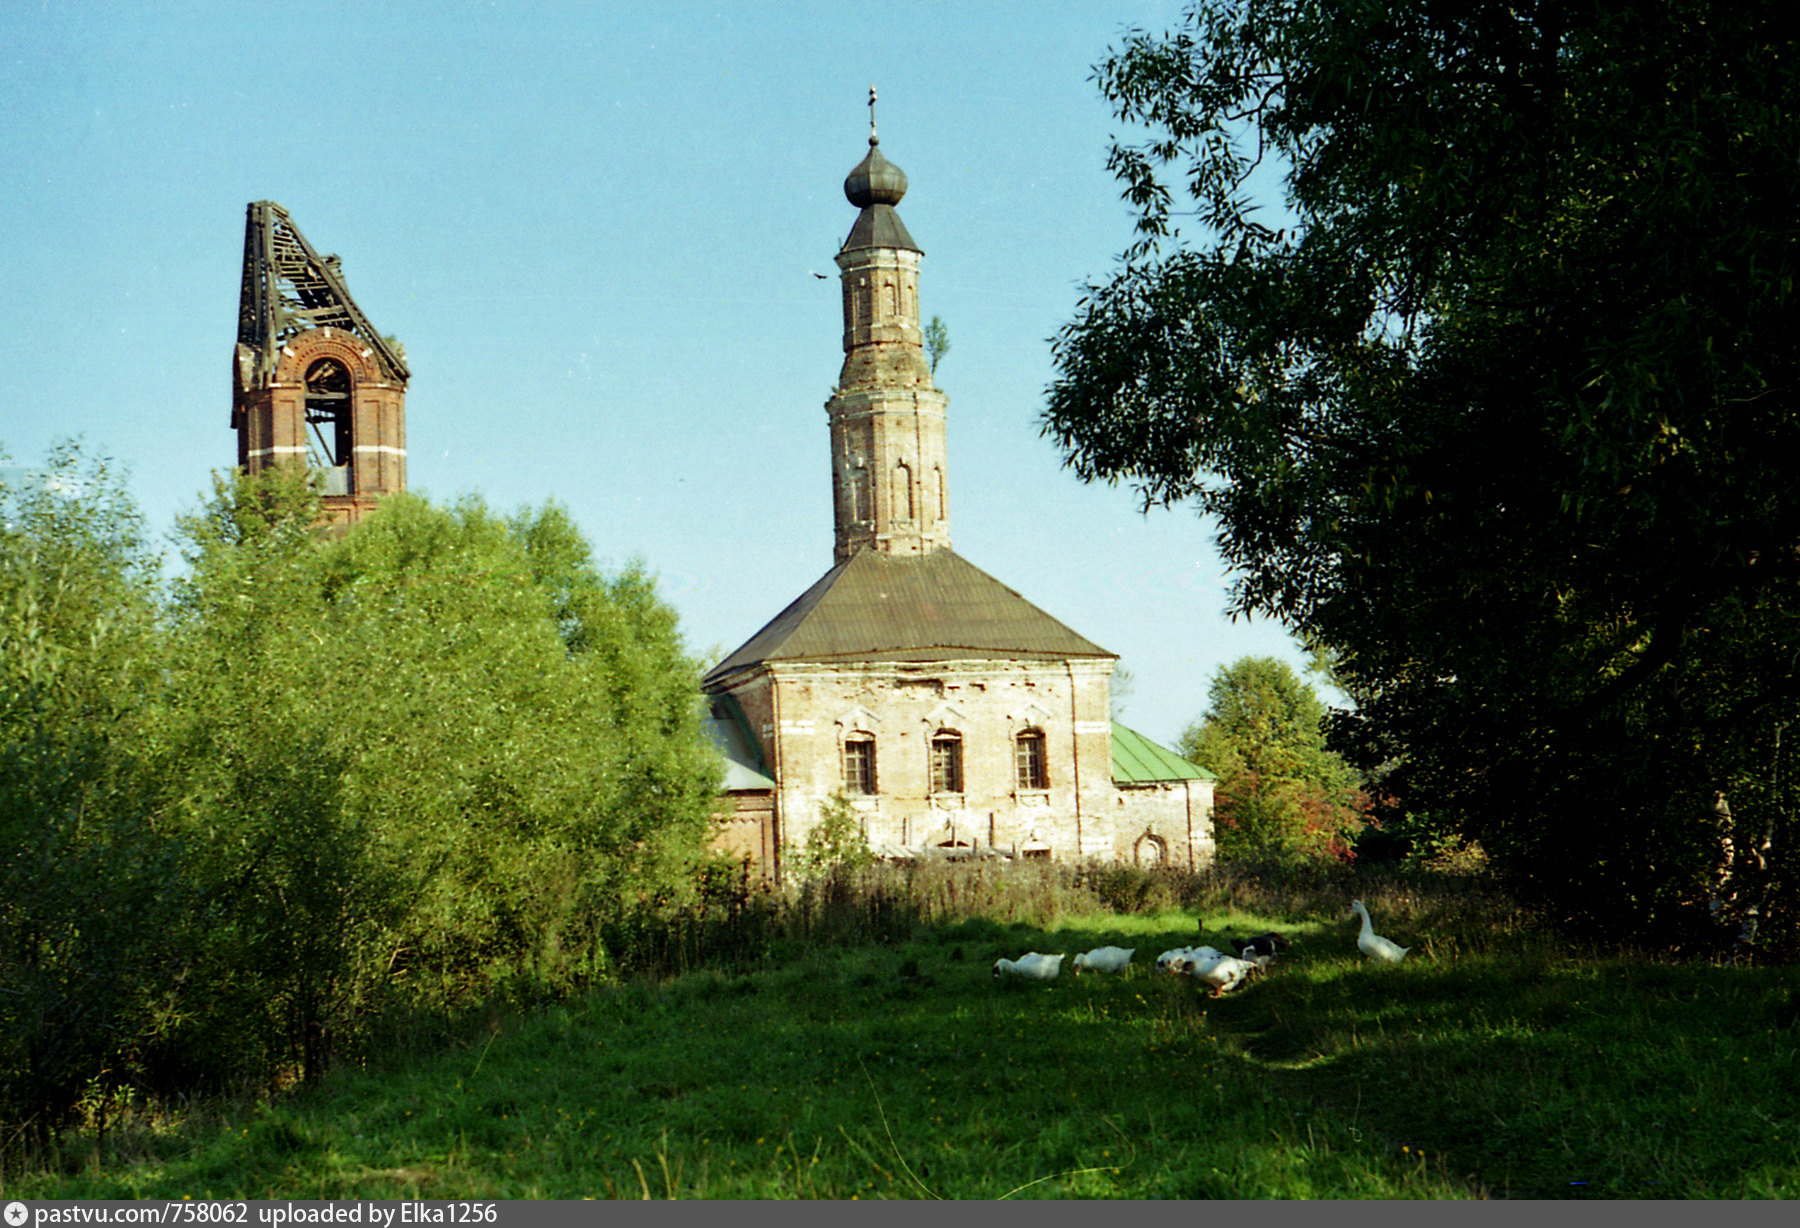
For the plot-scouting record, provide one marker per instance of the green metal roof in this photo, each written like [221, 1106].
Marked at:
[1136, 760]
[926, 607]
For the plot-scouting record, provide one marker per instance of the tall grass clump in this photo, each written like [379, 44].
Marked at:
[737, 920]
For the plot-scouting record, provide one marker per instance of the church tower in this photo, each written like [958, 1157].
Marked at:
[312, 381]
[950, 714]
[889, 483]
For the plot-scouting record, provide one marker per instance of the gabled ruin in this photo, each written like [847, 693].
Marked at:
[313, 382]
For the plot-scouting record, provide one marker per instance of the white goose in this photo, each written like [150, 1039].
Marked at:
[1106, 959]
[1222, 973]
[1031, 965]
[1170, 960]
[1374, 945]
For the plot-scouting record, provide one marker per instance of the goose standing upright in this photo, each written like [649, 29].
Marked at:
[1374, 945]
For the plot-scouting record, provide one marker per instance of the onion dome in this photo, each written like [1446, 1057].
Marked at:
[875, 181]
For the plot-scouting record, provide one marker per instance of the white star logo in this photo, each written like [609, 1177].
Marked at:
[16, 1214]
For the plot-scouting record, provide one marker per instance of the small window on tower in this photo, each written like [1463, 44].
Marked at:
[859, 495]
[859, 764]
[946, 763]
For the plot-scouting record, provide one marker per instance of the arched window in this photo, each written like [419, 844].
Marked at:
[1028, 757]
[1151, 851]
[943, 510]
[903, 492]
[328, 409]
[859, 764]
[859, 493]
[946, 762]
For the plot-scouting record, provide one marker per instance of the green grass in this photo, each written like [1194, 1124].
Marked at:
[1491, 1063]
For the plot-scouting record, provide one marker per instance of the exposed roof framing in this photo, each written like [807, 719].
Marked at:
[289, 288]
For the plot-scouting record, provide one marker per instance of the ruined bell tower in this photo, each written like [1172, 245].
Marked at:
[313, 383]
[889, 481]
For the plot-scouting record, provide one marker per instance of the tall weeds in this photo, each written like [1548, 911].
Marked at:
[737, 921]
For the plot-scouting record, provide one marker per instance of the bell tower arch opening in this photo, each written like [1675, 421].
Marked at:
[328, 416]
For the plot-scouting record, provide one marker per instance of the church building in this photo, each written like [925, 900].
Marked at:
[951, 712]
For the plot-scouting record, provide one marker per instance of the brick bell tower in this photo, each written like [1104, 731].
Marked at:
[889, 483]
[312, 381]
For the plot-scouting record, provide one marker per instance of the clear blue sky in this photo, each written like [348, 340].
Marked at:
[593, 225]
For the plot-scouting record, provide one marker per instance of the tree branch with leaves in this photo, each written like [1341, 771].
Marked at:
[1495, 398]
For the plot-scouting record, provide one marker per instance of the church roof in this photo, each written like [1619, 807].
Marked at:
[875, 180]
[879, 226]
[927, 607]
[1136, 760]
[875, 187]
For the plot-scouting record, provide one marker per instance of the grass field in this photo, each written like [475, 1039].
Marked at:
[1490, 1064]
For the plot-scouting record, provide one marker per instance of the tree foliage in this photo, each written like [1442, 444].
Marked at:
[836, 846]
[1280, 791]
[937, 341]
[334, 780]
[87, 897]
[1499, 404]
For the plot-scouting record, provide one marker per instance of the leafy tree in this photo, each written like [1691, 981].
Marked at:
[1501, 409]
[1123, 684]
[1280, 790]
[441, 748]
[937, 341]
[294, 888]
[335, 779]
[836, 845]
[88, 893]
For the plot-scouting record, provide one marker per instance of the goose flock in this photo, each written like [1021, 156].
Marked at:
[1205, 965]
